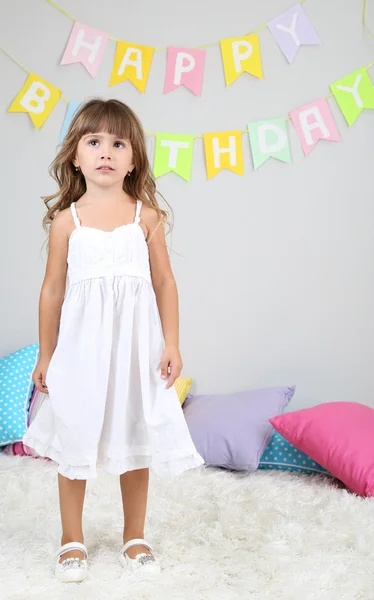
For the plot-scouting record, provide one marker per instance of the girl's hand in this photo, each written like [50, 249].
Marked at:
[39, 374]
[171, 358]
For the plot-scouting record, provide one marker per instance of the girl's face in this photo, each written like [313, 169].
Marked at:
[104, 159]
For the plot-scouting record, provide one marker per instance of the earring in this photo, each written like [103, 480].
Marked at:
[128, 174]
[77, 168]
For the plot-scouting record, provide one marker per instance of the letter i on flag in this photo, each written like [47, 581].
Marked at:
[173, 153]
[291, 29]
[85, 45]
[37, 98]
[223, 150]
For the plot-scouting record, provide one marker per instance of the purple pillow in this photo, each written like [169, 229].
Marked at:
[233, 430]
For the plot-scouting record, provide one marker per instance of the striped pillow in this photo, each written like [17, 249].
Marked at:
[182, 386]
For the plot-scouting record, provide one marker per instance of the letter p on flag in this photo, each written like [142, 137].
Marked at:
[184, 67]
[241, 55]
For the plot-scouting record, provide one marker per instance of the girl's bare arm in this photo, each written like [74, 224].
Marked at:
[52, 296]
[167, 298]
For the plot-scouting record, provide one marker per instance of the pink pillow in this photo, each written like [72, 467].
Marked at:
[337, 435]
[18, 448]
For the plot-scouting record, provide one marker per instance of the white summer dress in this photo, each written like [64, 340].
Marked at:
[107, 403]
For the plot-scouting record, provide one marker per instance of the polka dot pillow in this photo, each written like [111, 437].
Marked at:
[16, 387]
[281, 455]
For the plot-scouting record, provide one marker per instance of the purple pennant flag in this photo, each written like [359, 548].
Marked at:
[291, 29]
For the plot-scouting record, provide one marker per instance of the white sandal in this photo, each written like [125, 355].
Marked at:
[71, 569]
[147, 562]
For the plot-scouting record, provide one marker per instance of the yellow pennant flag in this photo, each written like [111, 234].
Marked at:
[132, 62]
[223, 150]
[38, 98]
[241, 55]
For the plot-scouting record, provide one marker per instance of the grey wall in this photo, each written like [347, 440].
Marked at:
[274, 269]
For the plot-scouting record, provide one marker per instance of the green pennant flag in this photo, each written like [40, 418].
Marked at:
[269, 138]
[353, 93]
[173, 152]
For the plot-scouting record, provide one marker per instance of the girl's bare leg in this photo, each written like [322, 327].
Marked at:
[134, 490]
[72, 494]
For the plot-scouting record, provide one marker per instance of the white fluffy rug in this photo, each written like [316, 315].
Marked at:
[219, 535]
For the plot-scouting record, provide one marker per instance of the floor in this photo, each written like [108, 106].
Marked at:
[219, 535]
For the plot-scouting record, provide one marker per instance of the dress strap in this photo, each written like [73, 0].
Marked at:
[139, 205]
[75, 216]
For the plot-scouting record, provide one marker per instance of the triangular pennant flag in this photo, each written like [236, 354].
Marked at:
[184, 66]
[71, 110]
[353, 93]
[241, 55]
[223, 150]
[37, 98]
[132, 62]
[173, 153]
[314, 122]
[291, 29]
[85, 45]
[269, 139]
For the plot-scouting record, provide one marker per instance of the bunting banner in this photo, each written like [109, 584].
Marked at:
[185, 66]
[268, 138]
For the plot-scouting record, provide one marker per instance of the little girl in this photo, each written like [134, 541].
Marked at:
[109, 352]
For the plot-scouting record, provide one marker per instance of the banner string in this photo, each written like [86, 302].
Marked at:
[24, 68]
[364, 20]
[69, 16]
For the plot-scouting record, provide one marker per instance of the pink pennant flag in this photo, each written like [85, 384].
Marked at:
[314, 122]
[85, 45]
[184, 66]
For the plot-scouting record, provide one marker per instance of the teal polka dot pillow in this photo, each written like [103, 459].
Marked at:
[16, 387]
[281, 455]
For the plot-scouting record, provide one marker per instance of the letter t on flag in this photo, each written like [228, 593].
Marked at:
[173, 153]
[85, 45]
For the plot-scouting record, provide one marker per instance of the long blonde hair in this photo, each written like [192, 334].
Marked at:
[116, 118]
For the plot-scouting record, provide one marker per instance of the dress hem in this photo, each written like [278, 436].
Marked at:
[173, 465]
